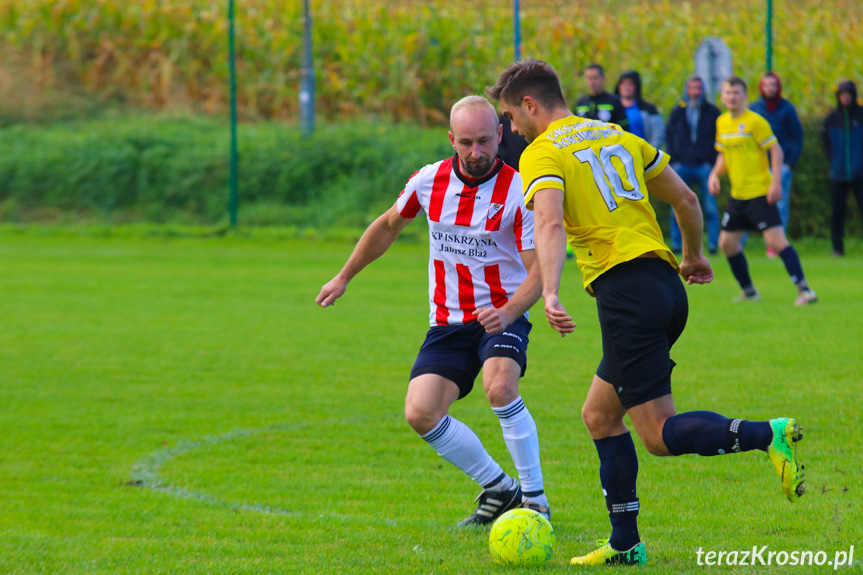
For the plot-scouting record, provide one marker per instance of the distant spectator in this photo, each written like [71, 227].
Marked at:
[691, 134]
[599, 104]
[645, 121]
[782, 117]
[842, 138]
[511, 145]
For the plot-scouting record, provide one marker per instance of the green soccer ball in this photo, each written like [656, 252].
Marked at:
[521, 537]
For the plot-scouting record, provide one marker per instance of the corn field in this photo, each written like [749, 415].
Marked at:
[411, 60]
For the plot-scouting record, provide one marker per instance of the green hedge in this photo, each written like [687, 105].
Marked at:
[176, 170]
[162, 169]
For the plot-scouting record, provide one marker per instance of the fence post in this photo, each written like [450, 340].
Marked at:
[769, 35]
[232, 179]
[307, 89]
[517, 30]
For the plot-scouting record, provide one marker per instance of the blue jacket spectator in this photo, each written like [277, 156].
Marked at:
[783, 120]
[645, 120]
[782, 117]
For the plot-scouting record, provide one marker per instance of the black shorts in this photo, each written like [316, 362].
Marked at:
[754, 214]
[457, 352]
[642, 309]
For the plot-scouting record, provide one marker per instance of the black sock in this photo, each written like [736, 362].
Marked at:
[740, 269]
[618, 470]
[792, 266]
[755, 435]
[707, 433]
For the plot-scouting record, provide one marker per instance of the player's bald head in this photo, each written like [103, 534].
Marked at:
[475, 133]
[474, 105]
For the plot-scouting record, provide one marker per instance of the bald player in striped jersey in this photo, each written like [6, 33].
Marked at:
[591, 182]
[483, 278]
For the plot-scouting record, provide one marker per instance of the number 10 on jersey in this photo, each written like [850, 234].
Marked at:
[606, 175]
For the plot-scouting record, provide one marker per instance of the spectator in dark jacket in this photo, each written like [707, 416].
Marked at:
[782, 117]
[842, 138]
[691, 135]
[645, 121]
[511, 145]
[599, 104]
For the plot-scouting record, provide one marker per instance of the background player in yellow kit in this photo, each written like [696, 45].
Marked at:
[743, 139]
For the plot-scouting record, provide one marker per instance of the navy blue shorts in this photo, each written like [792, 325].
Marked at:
[754, 214]
[642, 309]
[457, 352]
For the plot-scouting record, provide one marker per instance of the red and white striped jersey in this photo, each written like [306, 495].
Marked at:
[476, 231]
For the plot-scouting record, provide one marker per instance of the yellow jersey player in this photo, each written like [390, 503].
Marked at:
[743, 139]
[590, 182]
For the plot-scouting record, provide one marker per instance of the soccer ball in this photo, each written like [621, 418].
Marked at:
[521, 537]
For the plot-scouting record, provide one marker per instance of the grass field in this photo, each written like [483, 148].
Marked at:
[180, 405]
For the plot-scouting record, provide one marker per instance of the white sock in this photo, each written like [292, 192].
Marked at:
[503, 483]
[455, 442]
[540, 499]
[522, 439]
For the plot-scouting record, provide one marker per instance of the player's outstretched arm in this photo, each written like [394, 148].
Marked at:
[375, 241]
[713, 185]
[550, 238]
[668, 187]
[495, 320]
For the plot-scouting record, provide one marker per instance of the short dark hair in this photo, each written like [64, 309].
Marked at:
[529, 77]
[596, 67]
[736, 81]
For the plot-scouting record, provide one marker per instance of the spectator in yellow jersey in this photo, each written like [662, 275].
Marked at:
[743, 139]
[591, 182]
